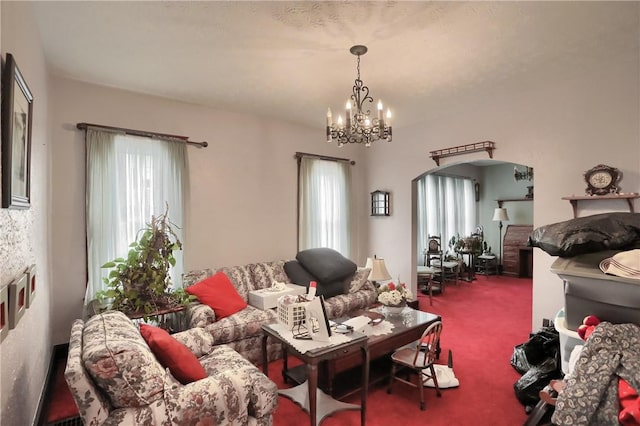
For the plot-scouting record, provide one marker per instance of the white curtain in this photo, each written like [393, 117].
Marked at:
[446, 207]
[129, 179]
[324, 214]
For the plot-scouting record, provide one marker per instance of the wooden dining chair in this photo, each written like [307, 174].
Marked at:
[417, 359]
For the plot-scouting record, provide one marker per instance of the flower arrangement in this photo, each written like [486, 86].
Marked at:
[392, 294]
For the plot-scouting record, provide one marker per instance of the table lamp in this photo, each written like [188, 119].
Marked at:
[378, 270]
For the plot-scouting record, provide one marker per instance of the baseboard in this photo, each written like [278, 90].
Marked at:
[59, 351]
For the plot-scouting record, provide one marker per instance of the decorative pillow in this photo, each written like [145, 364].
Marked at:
[326, 264]
[300, 276]
[297, 274]
[331, 289]
[359, 278]
[173, 355]
[218, 292]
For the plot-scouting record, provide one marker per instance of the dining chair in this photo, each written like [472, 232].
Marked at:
[417, 359]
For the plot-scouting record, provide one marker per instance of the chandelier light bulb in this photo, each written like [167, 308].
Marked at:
[367, 122]
[340, 121]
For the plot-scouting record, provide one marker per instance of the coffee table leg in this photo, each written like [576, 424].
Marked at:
[285, 364]
[265, 358]
[365, 385]
[312, 376]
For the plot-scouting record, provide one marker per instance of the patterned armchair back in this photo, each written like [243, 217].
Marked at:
[120, 362]
[93, 406]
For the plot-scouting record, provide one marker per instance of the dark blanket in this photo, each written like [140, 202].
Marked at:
[589, 234]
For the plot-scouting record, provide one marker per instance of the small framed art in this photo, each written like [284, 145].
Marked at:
[31, 284]
[17, 111]
[4, 312]
[17, 299]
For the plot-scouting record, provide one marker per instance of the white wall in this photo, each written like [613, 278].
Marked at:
[24, 234]
[499, 184]
[561, 125]
[242, 205]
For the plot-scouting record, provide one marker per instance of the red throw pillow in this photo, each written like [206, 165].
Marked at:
[218, 292]
[173, 355]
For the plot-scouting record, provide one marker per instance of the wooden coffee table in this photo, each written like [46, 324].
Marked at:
[408, 327]
[318, 404]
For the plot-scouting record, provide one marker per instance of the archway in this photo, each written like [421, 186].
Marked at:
[497, 184]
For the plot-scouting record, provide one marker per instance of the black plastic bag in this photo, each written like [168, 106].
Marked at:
[519, 359]
[589, 234]
[528, 387]
[540, 346]
[538, 359]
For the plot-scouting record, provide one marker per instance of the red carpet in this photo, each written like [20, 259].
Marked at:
[483, 321]
[60, 405]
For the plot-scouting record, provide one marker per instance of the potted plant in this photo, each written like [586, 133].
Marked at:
[140, 284]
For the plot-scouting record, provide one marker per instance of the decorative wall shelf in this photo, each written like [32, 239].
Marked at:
[463, 149]
[575, 198]
[512, 199]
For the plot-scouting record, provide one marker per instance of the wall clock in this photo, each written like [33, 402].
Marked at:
[602, 180]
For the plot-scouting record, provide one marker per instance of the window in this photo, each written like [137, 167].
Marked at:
[129, 179]
[324, 212]
[446, 207]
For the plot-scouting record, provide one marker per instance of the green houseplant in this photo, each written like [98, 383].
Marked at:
[140, 283]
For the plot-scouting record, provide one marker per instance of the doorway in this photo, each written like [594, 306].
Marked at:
[496, 184]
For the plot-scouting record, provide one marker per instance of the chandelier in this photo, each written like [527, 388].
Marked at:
[359, 126]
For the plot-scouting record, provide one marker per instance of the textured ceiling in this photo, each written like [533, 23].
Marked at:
[291, 60]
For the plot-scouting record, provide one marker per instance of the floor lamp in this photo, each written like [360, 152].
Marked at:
[499, 215]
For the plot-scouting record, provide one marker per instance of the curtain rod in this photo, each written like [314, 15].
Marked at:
[322, 157]
[84, 126]
[452, 175]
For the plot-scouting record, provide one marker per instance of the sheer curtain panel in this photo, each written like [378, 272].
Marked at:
[446, 207]
[324, 213]
[129, 180]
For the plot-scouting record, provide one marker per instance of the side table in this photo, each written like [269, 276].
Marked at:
[471, 274]
[317, 403]
[487, 263]
[172, 320]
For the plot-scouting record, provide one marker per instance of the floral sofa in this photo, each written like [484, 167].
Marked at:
[243, 330]
[115, 379]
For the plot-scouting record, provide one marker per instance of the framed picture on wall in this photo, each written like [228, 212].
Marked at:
[4, 312]
[17, 299]
[17, 111]
[31, 284]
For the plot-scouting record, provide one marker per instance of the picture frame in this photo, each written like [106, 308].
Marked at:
[4, 312]
[31, 285]
[17, 116]
[17, 299]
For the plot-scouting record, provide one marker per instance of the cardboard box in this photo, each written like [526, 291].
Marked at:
[267, 299]
[589, 291]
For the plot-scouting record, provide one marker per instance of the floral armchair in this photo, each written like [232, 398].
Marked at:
[115, 379]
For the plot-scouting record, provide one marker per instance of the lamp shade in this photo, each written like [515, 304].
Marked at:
[369, 265]
[378, 270]
[500, 214]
